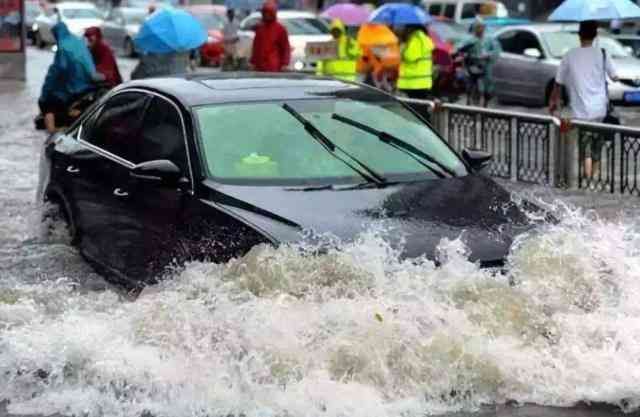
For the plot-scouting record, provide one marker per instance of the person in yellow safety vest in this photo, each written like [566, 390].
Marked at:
[343, 66]
[415, 77]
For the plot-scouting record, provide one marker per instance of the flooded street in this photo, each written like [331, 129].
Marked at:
[355, 331]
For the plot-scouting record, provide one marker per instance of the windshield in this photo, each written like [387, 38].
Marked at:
[450, 32]
[305, 26]
[81, 13]
[135, 17]
[559, 43]
[274, 148]
[210, 20]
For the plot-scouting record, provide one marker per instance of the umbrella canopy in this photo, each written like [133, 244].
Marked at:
[170, 30]
[350, 14]
[400, 14]
[372, 34]
[581, 10]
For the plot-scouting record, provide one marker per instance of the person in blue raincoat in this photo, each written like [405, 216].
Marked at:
[71, 75]
[485, 51]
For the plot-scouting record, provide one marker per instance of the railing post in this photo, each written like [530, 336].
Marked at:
[555, 167]
[477, 140]
[514, 148]
[572, 156]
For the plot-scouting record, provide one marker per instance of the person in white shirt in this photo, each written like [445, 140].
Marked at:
[230, 40]
[582, 73]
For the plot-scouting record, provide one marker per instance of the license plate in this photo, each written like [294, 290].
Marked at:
[631, 97]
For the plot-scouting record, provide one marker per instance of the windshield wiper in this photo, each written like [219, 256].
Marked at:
[399, 144]
[370, 175]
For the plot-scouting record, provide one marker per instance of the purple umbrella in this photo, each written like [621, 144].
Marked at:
[350, 14]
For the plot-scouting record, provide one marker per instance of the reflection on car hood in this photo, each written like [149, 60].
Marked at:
[414, 216]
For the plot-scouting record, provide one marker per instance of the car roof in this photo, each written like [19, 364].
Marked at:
[542, 27]
[220, 88]
[206, 8]
[74, 5]
[288, 14]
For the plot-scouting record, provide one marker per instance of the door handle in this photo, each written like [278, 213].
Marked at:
[72, 170]
[118, 192]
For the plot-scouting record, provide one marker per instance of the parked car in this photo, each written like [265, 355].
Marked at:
[78, 16]
[121, 27]
[462, 11]
[303, 27]
[631, 42]
[536, 50]
[206, 167]
[213, 19]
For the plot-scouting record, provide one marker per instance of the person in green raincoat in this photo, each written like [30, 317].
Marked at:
[485, 49]
[344, 65]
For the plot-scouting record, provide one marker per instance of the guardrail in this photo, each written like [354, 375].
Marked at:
[530, 147]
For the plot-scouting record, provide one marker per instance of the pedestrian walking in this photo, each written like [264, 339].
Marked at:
[583, 73]
[271, 51]
[344, 65]
[71, 75]
[415, 77]
[230, 40]
[103, 58]
[483, 55]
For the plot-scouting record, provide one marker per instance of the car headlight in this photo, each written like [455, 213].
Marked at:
[298, 66]
[34, 27]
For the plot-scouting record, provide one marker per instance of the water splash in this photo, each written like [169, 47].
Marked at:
[352, 330]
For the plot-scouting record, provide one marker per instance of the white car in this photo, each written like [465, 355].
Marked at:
[303, 27]
[462, 11]
[77, 16]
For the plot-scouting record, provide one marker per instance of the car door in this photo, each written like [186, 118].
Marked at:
[514, 62]
[109, 232]
[158, 206]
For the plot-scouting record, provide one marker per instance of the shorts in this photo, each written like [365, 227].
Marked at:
[53, 105]
[590, 144]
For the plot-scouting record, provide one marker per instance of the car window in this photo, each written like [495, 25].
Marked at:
[162, 135]
[469, 10]
[275, 147]
[116, 127]
[449, 11]
[305, 26]
[435, 9]
[135, 16]
[516, 42]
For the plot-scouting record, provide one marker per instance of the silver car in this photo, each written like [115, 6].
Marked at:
[526, 69]
[121, 27]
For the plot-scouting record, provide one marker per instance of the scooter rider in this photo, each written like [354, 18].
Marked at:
[71, 75]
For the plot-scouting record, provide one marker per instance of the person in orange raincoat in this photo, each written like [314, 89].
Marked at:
[271, 50]
[380, 55]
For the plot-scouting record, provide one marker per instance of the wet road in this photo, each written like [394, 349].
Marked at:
[355, 332]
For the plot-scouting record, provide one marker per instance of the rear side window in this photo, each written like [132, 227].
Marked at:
[449, 11]
[116, 127]
[470, 10]
[162, 135]
[435, 9]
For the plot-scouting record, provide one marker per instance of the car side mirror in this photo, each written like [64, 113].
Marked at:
[160, 172]
[533, 53]
[477, 159]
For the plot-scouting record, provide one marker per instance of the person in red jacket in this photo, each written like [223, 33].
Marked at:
[271, 51]
[103, 56]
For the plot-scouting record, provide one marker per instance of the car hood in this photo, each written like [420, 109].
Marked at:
[627, 68]
[415, 217]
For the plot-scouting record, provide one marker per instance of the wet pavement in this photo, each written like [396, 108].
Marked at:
[355, 332]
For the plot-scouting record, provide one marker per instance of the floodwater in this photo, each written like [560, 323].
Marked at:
[352, 332]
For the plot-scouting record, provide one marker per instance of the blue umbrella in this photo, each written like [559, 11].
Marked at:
[581, 10]
[170, 30]
[400, 14]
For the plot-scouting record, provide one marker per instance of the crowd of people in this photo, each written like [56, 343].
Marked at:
[80, 66]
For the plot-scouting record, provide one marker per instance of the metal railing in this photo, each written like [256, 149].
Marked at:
[530, 148]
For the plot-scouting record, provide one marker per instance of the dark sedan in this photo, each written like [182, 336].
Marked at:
[206, 167]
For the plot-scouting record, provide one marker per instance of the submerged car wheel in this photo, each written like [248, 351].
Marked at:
[57, 213]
